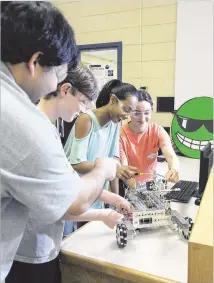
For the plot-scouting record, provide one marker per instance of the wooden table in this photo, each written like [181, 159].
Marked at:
[158, 255]
[201, 241]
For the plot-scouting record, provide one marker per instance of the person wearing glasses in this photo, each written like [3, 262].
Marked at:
[140, 140]
[96, 133]
[40, 244]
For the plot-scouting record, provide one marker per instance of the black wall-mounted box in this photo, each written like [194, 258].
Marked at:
[165, 104]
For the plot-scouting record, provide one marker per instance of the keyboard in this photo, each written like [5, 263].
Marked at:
[187, 190]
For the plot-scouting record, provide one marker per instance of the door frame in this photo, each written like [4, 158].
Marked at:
[108, 45]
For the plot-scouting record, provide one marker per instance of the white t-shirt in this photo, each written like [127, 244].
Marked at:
[36, 179]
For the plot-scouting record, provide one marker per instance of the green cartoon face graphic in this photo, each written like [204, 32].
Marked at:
[192, 126]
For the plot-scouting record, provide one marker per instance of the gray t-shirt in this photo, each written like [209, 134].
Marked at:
[40, 243]
[36, 179]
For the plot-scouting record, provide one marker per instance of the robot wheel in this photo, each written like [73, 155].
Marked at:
[187, 235]
[121, 235]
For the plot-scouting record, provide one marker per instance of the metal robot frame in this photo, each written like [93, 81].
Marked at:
[150, 209]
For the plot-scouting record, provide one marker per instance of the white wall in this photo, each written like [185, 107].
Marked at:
[194, 50]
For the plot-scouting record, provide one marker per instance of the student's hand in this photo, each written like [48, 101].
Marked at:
[172, 176]
[109, 167]
[126, 172]
[124, 206]
[131, 183]
[110, 217]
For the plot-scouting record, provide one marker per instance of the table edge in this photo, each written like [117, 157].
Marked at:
[111, 269]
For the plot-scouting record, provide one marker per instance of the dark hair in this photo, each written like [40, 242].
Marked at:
[116, 87]
[82, 80]
[143, 95]
[33, 26]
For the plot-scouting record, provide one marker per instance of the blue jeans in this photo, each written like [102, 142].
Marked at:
[69, 227]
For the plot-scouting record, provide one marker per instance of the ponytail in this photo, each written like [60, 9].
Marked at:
[106, 91]
[118, 88]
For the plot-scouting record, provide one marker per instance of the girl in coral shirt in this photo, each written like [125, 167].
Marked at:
[140, 140]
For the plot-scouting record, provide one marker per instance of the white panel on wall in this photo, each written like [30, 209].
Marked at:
[194, 51]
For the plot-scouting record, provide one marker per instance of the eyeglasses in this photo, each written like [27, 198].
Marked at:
[125, 108]
[138, 114]
[192, 125]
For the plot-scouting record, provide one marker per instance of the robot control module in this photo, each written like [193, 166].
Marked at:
[150, 209]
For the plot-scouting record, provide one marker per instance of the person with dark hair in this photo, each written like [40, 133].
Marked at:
[46, 45]
[122, 91]
[37, 45]
[41, 244]
[96, 133]
[140, 140]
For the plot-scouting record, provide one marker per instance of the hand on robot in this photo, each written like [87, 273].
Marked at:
[126, 172]
[131, 183]
[124, 207]
[172, 176]
[110, 217]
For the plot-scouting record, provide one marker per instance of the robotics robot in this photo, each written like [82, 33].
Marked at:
[150, 209]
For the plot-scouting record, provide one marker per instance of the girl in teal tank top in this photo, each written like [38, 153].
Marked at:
[95, 133]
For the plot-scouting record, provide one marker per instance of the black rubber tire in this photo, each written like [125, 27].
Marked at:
[189, 220]
[121, 235]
